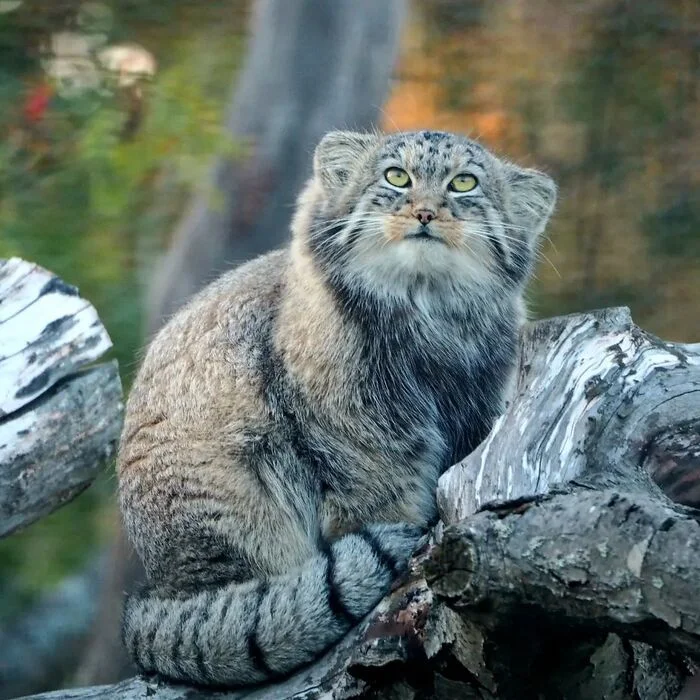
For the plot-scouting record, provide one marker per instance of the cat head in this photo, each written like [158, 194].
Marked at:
[388, 210]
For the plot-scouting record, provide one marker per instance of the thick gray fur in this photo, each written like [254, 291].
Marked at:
[287, 428]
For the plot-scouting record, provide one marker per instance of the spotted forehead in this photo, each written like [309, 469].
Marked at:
[431, 153]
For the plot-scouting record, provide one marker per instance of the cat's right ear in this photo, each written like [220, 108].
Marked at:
[338, 154]
[532, 197]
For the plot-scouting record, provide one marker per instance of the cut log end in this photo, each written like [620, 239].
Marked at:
[59, 422]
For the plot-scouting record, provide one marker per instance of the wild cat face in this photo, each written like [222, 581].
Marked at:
[395, 210]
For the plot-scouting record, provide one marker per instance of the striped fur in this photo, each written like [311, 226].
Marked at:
[253, 631]
[285, 433]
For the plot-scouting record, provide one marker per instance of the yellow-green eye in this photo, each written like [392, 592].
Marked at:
[397, 177]
[463, 183]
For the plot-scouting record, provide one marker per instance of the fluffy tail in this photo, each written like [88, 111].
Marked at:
[244, 633]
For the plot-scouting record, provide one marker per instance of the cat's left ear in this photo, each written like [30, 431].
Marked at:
[338, 154]
[532, 196]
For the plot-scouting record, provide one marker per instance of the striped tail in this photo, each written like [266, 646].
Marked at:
[252, 632]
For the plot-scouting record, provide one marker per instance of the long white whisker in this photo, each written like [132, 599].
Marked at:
[490, 234]
[538, 254]
[551, 242]
[343, 223]
[553, 266]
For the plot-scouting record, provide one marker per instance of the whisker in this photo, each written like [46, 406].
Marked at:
[371, 228]
[343, 223]
[493, 236]
[515, 227]
[537, 254]
[386, 115]
[553, 266]
[551, 242]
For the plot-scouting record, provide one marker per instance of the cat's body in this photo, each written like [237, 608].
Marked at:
[285, 434]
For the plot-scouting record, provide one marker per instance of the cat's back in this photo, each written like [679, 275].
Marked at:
[200, 373]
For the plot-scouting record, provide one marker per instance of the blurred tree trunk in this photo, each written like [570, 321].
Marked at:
[312, 66]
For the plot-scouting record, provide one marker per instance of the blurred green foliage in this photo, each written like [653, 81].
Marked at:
[92, 181]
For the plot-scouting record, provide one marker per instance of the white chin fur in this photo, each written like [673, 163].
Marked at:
[392, 269]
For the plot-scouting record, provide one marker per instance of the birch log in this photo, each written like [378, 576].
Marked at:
[560, 569]
[555, 530]
[59, 420]
[596, 396]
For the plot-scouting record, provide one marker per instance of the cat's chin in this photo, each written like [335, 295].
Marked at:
[398, 266]
[419, 254]
[431, 256]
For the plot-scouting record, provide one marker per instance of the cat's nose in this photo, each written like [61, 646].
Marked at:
[425, 216]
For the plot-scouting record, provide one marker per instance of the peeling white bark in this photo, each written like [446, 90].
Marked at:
[592, 390]
[46, 332]
[58, 422]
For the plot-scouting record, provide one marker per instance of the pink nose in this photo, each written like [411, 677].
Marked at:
[425, 216]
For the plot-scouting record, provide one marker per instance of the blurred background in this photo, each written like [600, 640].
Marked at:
[147, 145]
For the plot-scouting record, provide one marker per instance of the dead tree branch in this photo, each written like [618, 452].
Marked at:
[58, 422]
[600, 560]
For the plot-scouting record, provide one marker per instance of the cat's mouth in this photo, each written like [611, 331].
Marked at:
[424, 233]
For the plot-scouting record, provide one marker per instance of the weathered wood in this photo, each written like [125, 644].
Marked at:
[597, 400]
[594, 394]
[46, 332]
[58, 423]
[622, 563]
[52, 450]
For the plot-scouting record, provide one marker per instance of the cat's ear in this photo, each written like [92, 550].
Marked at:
[532, 196]
[338, 154]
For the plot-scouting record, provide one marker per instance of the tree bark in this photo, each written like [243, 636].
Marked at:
[47, 331]
[621, 562]
[596, 396]
[52, 449]
[58, 423]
